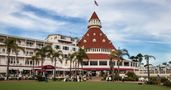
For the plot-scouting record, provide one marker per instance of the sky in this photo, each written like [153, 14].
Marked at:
[140, 26]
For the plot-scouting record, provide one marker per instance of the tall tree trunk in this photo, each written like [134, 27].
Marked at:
[8, 60]
[75, 66]
[82, 68]
[148, 70]
[42, 66]
[118, 70]
[112, 71]
[54, 70]
[70, 69]
[78, 68]
[33, 70]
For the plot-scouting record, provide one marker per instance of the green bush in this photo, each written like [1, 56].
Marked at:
[163, 80]
[2, 79]
[57, 79]
[117, 78]
[40, 78]
[167, 83]
[131, 77]
[152, 81]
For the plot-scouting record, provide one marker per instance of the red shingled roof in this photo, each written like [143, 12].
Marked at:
[101, 40]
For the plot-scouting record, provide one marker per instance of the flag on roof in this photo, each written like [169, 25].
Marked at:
[95, 2]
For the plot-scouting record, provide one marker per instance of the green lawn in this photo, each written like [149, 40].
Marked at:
[34, 85]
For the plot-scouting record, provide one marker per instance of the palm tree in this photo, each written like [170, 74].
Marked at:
[42, 53]
[71, 58]
[119, 54]
[34, 58]
[54, 56]
[113, 55]
[138, 58]
[80, 55]
[169, 62]
[147, 58]
[11, 46]
[165, 63]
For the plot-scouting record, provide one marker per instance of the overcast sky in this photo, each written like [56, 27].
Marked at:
[141, 26]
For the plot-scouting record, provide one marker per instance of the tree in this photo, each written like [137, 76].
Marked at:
[113, 55]
[34, 58]
[42, 53]
[147, 58]
[138, 58]
[118, 54]
[169, 62]
[80, 55]
[71, 58]
[54, 55]
[11, 46]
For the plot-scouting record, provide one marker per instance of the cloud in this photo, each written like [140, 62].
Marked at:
[128, 23]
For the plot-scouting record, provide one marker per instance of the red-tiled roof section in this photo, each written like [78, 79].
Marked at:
[101, 40]
[98, 56]
[94, 16]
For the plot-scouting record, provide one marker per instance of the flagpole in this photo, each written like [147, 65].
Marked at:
[94, 6]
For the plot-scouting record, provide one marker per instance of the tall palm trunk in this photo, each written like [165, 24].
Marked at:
[42, 66]
[33, 70]
[54, 69]
[118, 70]
[16, 57]
[81, 68]
[148, 70]
[8, 60]
[78, 71]
[75, 66]
[70, 68]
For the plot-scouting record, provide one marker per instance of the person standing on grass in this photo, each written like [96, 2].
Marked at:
[158, 79]
[46, 76]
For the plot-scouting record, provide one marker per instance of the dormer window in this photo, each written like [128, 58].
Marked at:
[103, 40]
[85, 41]
[94, 40]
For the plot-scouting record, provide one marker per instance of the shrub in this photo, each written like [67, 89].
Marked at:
[57, 79]
[152, 81]
[2, 79]
[163, 80]
[40, 78]
[131, 77]
[167, 83]
[117, 78]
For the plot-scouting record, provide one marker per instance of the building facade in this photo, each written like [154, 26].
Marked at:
[98, 48]
[24, 63]
[95, 43]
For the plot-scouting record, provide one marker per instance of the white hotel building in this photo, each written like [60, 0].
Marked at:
[25, 63]
[95, 43]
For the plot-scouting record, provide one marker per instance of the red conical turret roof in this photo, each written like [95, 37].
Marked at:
[94, 16]
[95, 38]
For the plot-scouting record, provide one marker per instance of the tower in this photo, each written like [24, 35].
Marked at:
[96, 45]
